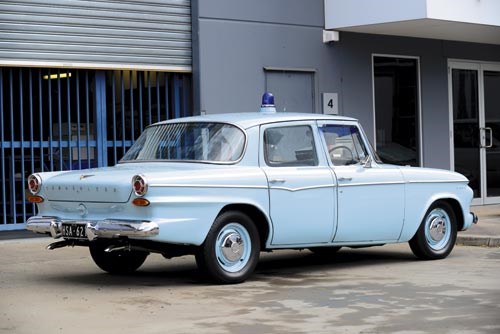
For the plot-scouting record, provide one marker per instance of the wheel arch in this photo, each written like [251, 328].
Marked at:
[259, 218]
[450, 200]
[457, 210]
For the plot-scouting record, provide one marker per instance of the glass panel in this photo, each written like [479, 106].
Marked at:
[466, 126]
[345, 145]
[492, 117]
[290, 146]
[396, 110]
[208, 142]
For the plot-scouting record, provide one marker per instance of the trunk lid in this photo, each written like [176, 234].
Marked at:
[111, 185]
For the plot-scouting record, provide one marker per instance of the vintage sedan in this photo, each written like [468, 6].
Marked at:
[226, 187]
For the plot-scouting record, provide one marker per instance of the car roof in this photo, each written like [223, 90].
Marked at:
[248, 120]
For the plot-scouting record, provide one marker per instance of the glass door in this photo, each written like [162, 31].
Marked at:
[491, 77]
[475, 117]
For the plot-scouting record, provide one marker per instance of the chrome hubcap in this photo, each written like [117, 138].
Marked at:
[233, 247]
[437, 229]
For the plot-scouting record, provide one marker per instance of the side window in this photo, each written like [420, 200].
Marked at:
[345, 144]
[290, 146]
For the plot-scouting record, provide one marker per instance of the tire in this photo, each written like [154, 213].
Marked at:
[116, 262]
[437, 234]
[231, 250]
[325, 251]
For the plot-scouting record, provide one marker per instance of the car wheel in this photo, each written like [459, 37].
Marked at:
[437, 234]
[231, 250]
[116, 262]
[325, 251]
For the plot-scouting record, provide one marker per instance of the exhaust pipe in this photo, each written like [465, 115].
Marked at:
[60, 244]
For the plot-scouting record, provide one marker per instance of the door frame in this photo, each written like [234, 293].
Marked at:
[480, 67]
[419, 101]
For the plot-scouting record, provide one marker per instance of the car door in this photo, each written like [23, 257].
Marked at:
[370, 196]
[301, 184]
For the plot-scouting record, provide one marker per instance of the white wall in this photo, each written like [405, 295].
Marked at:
[347, 13]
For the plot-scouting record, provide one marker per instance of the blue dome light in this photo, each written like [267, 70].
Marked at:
[268, 103]
[268, 99]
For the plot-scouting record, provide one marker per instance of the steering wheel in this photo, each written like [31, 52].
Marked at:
[343, 147]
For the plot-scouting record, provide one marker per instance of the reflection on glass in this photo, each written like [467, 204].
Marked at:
[466, 126]
[396, 110]
[492, 132]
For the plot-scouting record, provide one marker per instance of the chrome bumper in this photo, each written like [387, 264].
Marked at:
[475, 218]
[108, 228]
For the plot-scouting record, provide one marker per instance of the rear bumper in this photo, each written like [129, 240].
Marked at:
[108, 228]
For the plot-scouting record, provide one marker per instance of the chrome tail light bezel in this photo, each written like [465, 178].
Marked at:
[139, 185]
[34, 183]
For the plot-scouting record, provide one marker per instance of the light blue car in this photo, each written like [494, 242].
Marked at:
[226, 187]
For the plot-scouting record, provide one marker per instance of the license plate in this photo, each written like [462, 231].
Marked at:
[74, 231]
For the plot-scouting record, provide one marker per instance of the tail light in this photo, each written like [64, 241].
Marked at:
[34, 183]
[139, 185]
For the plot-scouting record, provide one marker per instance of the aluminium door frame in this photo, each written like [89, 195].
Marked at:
[480, 67]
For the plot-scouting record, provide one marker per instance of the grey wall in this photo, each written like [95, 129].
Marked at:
[353, 54]
[238, 38]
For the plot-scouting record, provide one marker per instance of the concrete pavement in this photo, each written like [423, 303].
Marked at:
[372, 290]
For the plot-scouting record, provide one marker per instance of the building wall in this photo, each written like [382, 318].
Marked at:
[237, 39]
[353, 54]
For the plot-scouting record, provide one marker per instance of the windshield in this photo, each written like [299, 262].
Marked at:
[203, 141]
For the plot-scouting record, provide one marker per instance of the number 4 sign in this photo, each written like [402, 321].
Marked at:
[330, 104]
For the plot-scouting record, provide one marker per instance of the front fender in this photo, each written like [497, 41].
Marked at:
[417, 193]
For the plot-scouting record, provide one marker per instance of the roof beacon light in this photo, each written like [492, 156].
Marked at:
[268, 103]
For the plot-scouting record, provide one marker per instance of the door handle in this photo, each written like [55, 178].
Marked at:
[345, 178]
[277, 181]
[491, 137]
[483, 135]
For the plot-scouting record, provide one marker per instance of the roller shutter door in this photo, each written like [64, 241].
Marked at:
[147, 35]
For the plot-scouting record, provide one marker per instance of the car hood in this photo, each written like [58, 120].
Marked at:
[418, 174]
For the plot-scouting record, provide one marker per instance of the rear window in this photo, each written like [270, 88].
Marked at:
[201, 141]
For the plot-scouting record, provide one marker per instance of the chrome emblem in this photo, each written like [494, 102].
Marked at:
[84, 176]
[82, 209]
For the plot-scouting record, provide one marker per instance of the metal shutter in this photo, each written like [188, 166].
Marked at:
[151, 34]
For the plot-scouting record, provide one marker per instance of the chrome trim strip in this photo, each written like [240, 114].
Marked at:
[348, 184]
[157, 185]
[304, 188]
[436, 181]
